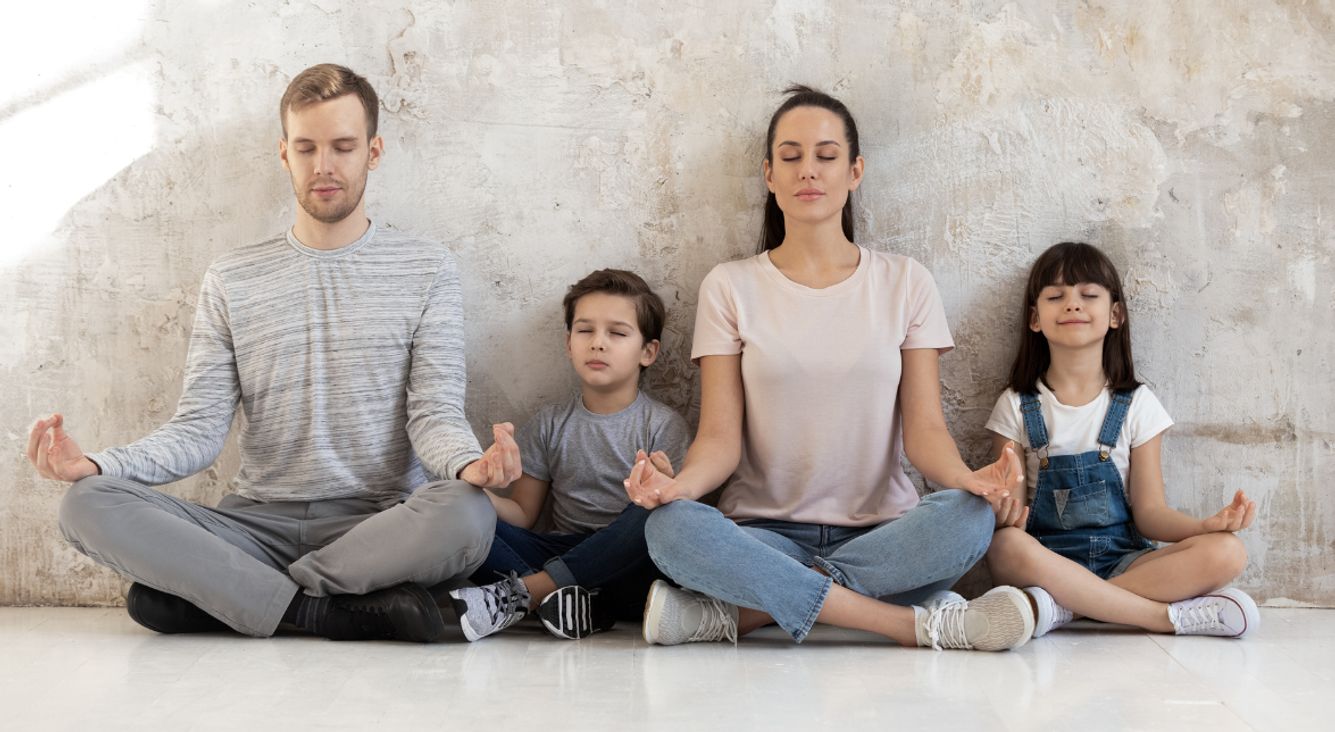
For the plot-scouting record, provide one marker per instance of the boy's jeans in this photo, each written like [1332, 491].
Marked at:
[613, 559]
[768, 565]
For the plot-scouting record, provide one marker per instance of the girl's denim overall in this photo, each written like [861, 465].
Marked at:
[1080, 509]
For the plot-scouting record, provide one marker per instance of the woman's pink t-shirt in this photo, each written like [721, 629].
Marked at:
[822, 434]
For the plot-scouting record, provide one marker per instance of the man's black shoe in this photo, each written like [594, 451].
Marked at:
[403, 612]
[164, 613]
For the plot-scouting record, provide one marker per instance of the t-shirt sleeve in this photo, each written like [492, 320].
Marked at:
[716, 331]
[1146, 418]
[533, 439]
[927, 327]
[1006, 421]
[672, 437]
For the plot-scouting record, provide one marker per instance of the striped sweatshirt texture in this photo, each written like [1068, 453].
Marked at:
[348, 366]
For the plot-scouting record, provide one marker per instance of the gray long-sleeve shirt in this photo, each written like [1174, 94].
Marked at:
[348, 366]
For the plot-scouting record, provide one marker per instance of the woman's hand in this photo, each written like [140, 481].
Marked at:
[1236, 516]
[651, 483]
[999, 479]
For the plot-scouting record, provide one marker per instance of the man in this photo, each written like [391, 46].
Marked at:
[343, 344]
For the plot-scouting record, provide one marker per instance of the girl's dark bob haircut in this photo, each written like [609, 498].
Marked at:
[1073, 263]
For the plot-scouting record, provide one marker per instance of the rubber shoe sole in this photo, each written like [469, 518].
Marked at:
[571, 612]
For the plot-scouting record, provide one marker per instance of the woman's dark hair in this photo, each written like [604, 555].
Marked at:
[772, 228]
[1073, 263]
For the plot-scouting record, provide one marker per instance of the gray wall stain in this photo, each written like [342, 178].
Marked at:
[1192, 141]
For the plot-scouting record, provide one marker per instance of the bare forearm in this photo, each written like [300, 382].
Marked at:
[509, 511]
[933, 452]
[709, 462]
[1161, 523]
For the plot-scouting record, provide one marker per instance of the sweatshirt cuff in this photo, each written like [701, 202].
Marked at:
[456, 465]
[109, 465]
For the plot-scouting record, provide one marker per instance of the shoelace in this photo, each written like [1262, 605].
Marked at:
[503, 602]
[945, 626]
[1200, 616]
[715, 623]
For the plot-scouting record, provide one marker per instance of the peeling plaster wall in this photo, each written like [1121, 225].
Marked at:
[1193, 141]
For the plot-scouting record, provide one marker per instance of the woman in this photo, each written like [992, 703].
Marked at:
[818, 362]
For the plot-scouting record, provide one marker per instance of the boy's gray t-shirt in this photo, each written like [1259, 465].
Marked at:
[584, 457]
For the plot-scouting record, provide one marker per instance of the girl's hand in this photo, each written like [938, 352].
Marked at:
[999, 478]
[1010, 512]
[648, 485]
[1236, 516]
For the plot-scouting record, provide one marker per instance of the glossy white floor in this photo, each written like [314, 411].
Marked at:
[68, 668]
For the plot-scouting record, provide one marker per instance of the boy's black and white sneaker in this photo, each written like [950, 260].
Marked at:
[571, 612]
[490, 608]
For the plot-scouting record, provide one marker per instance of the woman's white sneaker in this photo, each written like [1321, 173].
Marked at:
[673, 615]
[999, 620]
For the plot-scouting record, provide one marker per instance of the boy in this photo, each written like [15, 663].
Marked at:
[582, 450]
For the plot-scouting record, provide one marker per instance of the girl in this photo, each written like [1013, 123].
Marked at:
[1091, 434]
[818, 362]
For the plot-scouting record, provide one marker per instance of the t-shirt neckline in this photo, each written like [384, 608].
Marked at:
[838, 288]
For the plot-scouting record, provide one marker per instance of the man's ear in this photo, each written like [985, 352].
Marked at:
[377, 151]
[282, 153]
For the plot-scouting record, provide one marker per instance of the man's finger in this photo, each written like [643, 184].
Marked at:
[35, 439]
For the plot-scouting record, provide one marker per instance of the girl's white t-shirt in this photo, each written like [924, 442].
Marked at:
[1073, 430]
[822, 431]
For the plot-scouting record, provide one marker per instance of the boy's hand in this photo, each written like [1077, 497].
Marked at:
[1010, 511]
[649, 487]
[55, 454]
[1236, 516]
[500, 465]
[659, 459]
[999, 478]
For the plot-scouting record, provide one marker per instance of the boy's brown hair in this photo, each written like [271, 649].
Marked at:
[323, 82]
[649, 310]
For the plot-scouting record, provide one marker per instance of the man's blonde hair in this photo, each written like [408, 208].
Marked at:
[323, 82]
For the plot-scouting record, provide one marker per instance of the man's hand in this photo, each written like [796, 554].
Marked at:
[500, 465]
[1236, 516]
[652, 481]
[999, 479]
[55, 454]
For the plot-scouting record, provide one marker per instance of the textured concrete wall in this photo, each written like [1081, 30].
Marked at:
[1193, 141]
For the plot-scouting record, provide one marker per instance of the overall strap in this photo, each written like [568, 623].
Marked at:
[1118, 406]
[1032, 412]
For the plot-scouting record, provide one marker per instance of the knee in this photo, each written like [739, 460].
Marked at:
[972, 516]
[1225, 556]
[1011, 548]
[84, 505]
[464, 508]
[669, 524]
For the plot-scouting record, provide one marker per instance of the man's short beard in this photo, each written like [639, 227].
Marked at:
[307, 202]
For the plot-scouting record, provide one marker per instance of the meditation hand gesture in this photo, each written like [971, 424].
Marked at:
[1010, 511]
[1236, 516]
[55, 454]
[651, 482]
[500, 465]
[999, 478]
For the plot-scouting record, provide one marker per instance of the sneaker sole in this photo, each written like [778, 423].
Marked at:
[568, 613]
[1023, 616]
[653, 609]
[1042, 618]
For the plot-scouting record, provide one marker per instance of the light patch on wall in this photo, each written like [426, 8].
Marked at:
[63, 149]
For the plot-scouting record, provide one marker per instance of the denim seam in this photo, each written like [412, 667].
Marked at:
[800, 633]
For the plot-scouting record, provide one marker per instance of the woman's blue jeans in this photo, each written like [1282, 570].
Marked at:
[770, 565]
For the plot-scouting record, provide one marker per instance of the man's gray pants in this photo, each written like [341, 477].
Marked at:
[244, 561]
